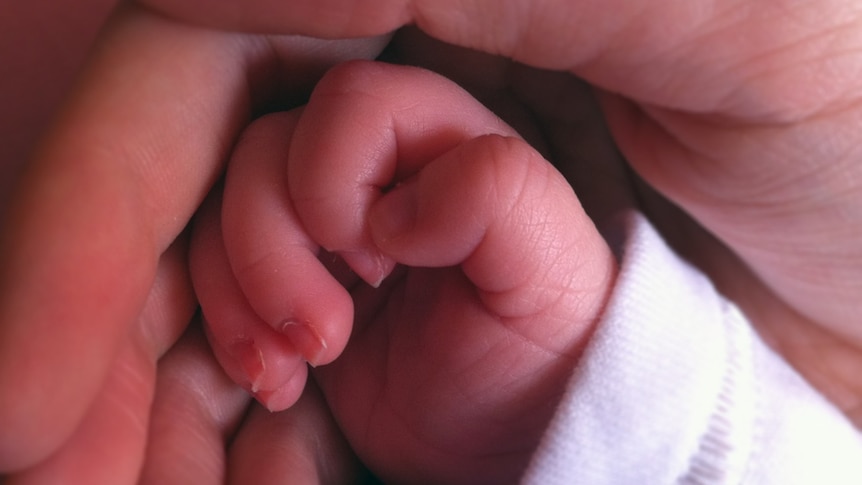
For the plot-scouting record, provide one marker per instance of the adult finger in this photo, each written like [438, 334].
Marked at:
[39, 69]
[196, 410]
[129, 160]
[555, 112]
[698, 56]
[108, 445]
[793, 216]
[302, 444]
[86, 232]
[253, 354]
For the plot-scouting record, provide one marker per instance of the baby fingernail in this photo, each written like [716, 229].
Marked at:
[396, 212]
[306, 339]
[271, 400]
[371, 266]
[250, 360]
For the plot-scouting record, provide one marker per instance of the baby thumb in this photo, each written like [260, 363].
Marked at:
[495, 207]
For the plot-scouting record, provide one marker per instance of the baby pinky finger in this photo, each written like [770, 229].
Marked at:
[274, 261]
[254, 355]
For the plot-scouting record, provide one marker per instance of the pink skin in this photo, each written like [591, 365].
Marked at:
[41, 50]
[744, 114]
[700, 93]
[85, 384]
[456, 361]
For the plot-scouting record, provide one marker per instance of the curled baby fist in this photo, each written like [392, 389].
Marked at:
[399, 232]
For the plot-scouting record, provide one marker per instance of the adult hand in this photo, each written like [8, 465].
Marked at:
[94, 287]
[715, 109]
[743, 115]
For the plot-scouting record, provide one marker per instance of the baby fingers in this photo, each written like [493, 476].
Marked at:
[269, 304]
[273, 259]
[494, 206]
[396, 164]
[367, 126]
[252, 353]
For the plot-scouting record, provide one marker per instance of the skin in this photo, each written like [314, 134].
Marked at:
[498, 264]
[106, 394]
[699, 93]
[39, 71]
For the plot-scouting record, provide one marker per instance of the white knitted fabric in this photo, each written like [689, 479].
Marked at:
[677, 388]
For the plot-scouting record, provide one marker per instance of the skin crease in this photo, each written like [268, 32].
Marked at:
[503, 275]
[699, 105]
[718, 89]
[816, 344]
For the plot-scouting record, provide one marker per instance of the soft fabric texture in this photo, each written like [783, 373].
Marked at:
[676, 387]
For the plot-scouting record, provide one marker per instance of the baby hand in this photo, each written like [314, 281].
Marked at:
[486, 276]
